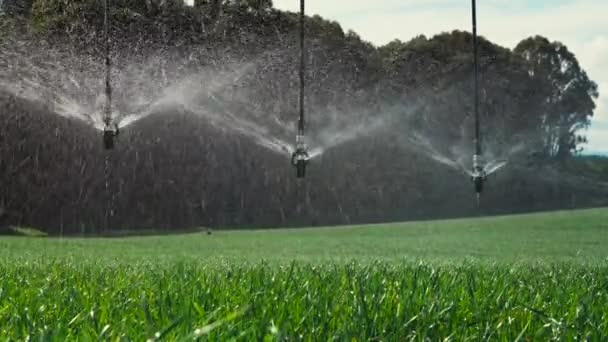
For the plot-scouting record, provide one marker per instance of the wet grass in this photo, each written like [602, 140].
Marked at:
[532, 277]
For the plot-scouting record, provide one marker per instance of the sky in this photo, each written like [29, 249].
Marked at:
[582, 25]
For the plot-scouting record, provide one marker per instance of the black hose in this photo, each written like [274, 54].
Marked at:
[302, 68]
[476, 71]
[108, 64]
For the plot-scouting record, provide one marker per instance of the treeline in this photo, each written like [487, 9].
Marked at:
[173, 170]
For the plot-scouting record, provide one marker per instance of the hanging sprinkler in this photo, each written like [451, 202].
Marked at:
[481, 170]
[478, 174]
[110, 129]
[300, 157]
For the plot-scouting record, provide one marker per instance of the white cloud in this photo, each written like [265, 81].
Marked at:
[598, 139]
[504, 22]
[598, 133]
[579, 24]
[599, 47]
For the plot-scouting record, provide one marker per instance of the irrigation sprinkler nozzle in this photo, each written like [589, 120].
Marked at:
[300, 157]
[110, 132]
[478, 175]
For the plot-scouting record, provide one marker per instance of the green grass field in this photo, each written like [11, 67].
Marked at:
[529, 277]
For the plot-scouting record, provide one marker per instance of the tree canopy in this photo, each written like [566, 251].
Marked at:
[409, 105]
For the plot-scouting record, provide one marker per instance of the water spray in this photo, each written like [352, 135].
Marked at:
[300, 157]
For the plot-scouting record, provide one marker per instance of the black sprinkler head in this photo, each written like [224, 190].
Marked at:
[478, 182]
[301, 169]
[110, 132]
[108, 140]
[299, 159]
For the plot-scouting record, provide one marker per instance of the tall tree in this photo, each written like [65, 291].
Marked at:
[569, 93]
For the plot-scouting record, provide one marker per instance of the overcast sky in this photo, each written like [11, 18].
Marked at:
[582, 25]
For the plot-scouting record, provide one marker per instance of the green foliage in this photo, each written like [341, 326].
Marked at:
[551, 237]
[55, 14]
[61, 15]
[8, 25]
[589, 166]
[73, 300]
[424, 86]
[348, 283]
[569, 92]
